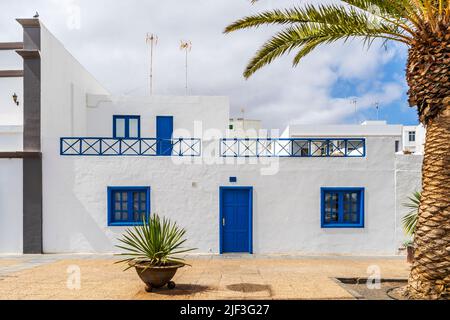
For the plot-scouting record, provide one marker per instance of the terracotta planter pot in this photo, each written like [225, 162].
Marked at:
[157, 277]
[410, 251]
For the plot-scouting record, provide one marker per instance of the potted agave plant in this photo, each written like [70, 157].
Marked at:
[152, 248]
[410, 223]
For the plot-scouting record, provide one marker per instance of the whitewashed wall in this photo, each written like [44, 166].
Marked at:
[11, 241]
[286, 204]
[408, 178]
[11, 138]
[286, 191]
[65, 85]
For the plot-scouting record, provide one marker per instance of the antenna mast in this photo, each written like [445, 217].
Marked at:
[243, 118]
[355, 103]
[377, 106]
[152, 40]
[187, 47]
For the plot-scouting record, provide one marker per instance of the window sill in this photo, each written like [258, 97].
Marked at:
[125, 224]
[343, 226]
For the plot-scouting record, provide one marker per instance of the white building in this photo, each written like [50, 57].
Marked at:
[414, 139]
[244, 128]
[93, 164]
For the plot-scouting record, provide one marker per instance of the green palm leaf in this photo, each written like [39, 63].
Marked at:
[311, 26]
[410, 220]
[307, 27]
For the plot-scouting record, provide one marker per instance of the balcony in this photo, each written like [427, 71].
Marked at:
[149, 147]
[294, 148]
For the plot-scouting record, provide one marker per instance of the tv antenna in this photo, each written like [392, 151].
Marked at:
[355, 104]
[151, 40]
[243, 118]
[187, 47]
[377, 107]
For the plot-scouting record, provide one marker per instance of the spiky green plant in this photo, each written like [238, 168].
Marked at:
[410, 220]
[423, 26]
[155, 243]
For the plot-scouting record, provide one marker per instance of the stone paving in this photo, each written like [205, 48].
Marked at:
[210, 277]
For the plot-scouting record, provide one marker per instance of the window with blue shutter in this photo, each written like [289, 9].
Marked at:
[342, 207]
[127, 206]
[126, 127]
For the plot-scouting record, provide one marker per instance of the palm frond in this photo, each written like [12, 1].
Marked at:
[310, 26]
[397, 12]
[317, 14]
[410, 220]
[277, 16]
[307, 37]
[392, 8]
[432, 12]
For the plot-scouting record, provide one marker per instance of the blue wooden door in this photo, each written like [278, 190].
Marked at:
[164, 133]
[236, 220]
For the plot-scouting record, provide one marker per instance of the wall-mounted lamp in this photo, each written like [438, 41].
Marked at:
[15, 99]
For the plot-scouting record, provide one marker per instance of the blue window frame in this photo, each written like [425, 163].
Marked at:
[127, 206]
[342, 207]
[126, 127]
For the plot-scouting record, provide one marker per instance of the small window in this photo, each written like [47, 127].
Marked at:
[397, 146]
[127, 206]
[127, 127]
[231, 127]
[342, 208]
[412, 136]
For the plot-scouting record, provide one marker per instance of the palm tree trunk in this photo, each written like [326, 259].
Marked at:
[430, 274]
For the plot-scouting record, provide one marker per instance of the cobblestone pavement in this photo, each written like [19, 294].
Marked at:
[209, 277]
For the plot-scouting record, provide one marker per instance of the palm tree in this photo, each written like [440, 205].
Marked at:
[424, 27]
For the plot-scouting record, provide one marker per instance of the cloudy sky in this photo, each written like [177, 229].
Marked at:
[108, 38]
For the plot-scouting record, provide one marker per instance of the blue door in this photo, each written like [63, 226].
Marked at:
[236, 220]
[164, 132]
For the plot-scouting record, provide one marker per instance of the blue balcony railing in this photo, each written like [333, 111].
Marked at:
[321, 147]
[182, 147]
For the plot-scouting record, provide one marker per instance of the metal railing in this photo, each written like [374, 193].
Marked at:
[320, 147]
[181, 147]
